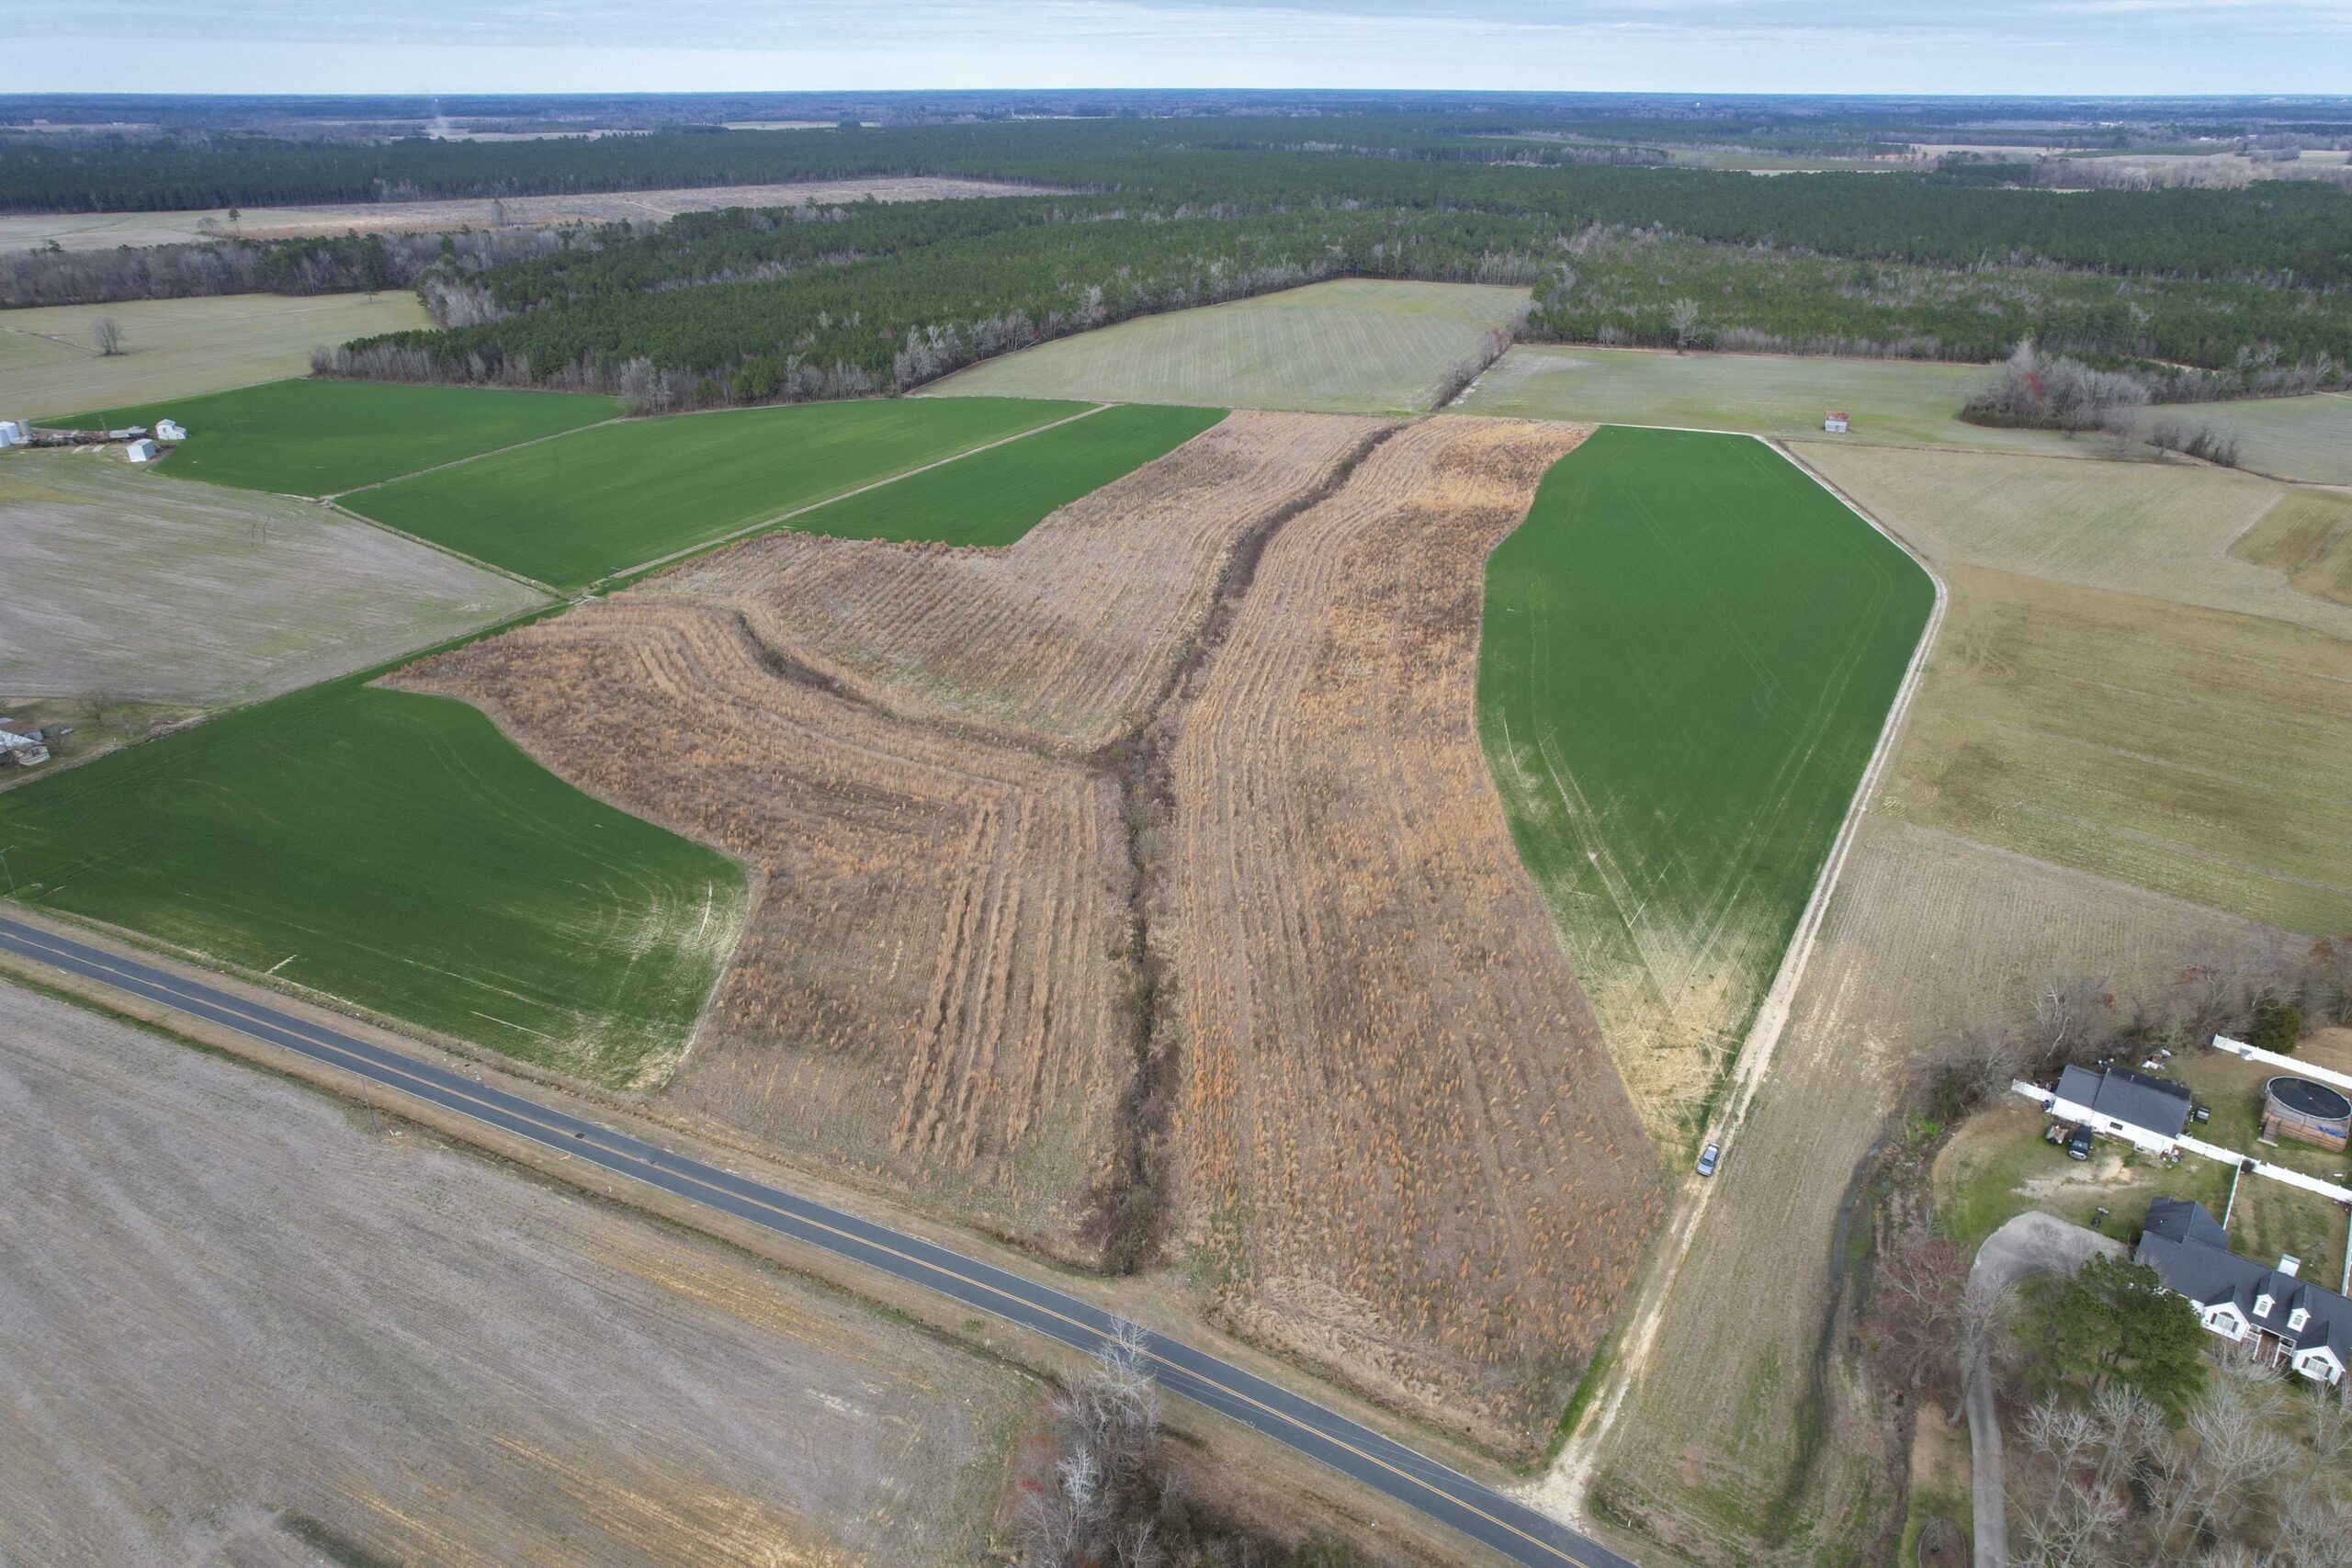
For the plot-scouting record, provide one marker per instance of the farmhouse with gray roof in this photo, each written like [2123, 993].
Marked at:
[2120, 1103]
[2291, 1322]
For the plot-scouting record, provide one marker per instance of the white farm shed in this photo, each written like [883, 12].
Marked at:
[170, 430]
[141, 451]
[1834, 422]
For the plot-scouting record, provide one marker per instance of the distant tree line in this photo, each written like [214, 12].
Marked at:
[746, 306]
[2298, 230]
[338, 265]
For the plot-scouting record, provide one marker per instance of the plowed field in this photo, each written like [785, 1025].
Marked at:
[1407, 1157]
[1065, 636]
[928, 988]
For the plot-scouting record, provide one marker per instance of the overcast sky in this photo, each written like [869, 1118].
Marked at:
[1712, 46]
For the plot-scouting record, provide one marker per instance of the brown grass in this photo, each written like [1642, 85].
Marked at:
[1750, 1438]
[1406, 1156]
[2308, 535]
[929, 987]
[1065, 638]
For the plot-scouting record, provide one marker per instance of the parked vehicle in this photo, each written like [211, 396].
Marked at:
[2079, 1146]
[1707, 1158]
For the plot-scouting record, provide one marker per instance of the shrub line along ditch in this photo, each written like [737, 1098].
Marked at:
[1127, 1206]
[1130, 1208]
[1564, 1487]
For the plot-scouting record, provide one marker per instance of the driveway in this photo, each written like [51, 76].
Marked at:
[2031, 1243]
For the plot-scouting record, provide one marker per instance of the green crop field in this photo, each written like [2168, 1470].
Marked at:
[1359, 346]
[993, 498]
[1690, 650]
[2308, 439]
[1896, 401]
[322, 437]
[568, 513]
[397, 852]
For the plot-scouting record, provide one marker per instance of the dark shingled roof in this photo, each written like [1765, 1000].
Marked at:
[2189, 1250]
[2135, 1098]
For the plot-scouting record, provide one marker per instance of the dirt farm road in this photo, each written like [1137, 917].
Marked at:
[2031, 1243]
[1486, 1516]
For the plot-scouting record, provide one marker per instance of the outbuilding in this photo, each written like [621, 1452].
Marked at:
[141, 451]
[170, 430]
[2149, 1114]
[1834, 423]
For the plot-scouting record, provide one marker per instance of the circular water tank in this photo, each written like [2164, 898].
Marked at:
[2313, 1104]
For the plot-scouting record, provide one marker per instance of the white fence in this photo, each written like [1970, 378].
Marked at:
[2273, 1059]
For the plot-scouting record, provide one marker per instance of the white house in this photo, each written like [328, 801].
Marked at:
[1834, 423]
[2291, 1322]
[141, 451]
[2149, 1114]
[170, 430]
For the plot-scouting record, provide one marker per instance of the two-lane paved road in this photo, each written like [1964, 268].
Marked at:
[1486, 1516]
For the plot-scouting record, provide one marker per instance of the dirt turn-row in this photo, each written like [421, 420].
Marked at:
[1406, 1155]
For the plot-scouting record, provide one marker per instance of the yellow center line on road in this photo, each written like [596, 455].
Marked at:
[232, 1005]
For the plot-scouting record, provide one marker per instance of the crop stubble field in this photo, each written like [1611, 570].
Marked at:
[177, 348]
[132, 585]
[2166, 531]
[570, 512]
[2307, 536]
[926, 989]
[251, 1324]
[1406, 1156]
[2187, 751]
[1065, 638]
[1356, 346]
[1690, 649]
[2291, 438]
[1925, 930]
[1903, 402]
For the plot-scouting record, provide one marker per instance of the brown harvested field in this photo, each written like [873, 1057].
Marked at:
[929, 989]
[106, 230]
[1927, 931]
[248, 1324]
[2197, 752]
[2158, 530]
[1064, 638]
[1404, 1156]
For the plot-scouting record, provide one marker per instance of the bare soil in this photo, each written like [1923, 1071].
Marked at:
[1406, 1157]
[249, 1323]
[137, 587]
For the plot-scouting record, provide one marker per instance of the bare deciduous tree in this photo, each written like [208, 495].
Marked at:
[107, 335]
[1683, 317]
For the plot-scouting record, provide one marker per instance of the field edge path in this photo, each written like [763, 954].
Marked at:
[1560, 1492]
